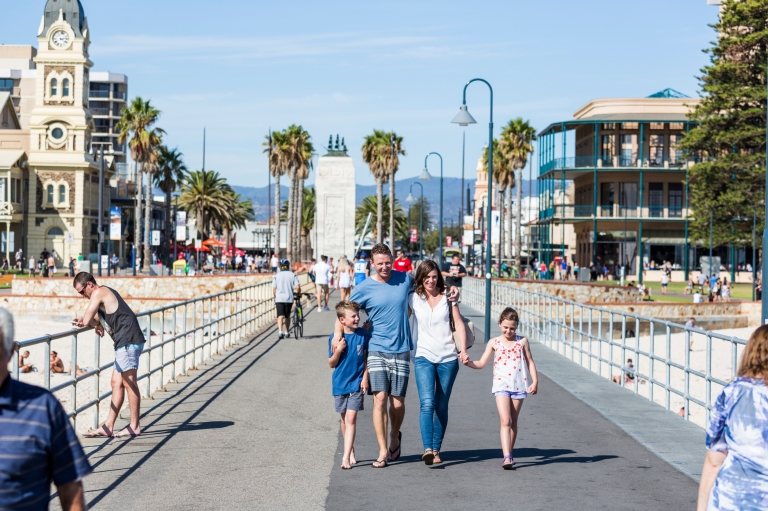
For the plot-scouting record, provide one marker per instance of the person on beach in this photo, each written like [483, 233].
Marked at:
[107, 311]
[24, 365]
[735, 472]
[57, 366]
[514, 377]
[436, 361]
[350, 375]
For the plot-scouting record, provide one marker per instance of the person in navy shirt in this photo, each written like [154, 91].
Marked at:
[37, 443]
[350, 374]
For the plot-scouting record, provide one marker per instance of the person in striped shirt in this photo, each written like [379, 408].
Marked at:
[37, 443]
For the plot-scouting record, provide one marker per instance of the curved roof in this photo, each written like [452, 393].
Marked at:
[71, 9]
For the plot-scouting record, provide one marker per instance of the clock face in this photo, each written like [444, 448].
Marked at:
[60, 39]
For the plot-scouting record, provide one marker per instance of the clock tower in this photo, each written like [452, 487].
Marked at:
[63, 174]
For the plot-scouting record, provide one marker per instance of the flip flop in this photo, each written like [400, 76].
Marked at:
[510, 465]
[428, 457]
[381, 463]
[130, 433]
[399, 451]
[99, 433]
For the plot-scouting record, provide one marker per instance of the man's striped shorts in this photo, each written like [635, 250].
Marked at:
[389, 372]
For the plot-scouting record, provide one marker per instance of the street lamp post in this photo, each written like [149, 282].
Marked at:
[426, 176]
[410, 199]
[710, 251]
[463, 118]
[175, 237]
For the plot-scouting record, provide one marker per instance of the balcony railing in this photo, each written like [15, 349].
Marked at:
[102, 129]
[99, 111]
[578, 162]
[612, 211]
[118, 95]
[98, 94]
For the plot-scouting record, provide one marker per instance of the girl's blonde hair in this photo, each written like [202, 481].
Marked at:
[343, 264]
[754, 360]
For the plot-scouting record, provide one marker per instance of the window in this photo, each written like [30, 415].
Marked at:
[657, 125]
[55, 231]
[628, 199]
[607, 148]
[4, 189]
[675, 153]
[57, 133]
[54, 87]
[655, 200]
[628, 150]
[606, 199]
[18, 190]
[65, 87]
[609, 126]
[675, 199]
[6, 85]
[13, 190]
[676, 126]
[50, 194]
[62, 194]
[629, 126]
[657, 150]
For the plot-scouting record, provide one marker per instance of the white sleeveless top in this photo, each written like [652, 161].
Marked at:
[431, 330]
[344, 280]
[510, 370]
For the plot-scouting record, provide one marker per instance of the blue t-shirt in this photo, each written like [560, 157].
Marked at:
[387, 307]
[348, 373]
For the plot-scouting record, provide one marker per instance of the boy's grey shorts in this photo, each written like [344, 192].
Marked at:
[353, 401]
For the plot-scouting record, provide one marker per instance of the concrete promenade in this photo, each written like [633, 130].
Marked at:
[256, 429]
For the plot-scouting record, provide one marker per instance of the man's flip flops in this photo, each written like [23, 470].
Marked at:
[399, 450]
[102, 432]
[381, 463]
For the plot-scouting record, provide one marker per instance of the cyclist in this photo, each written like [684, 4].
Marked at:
[285, 285]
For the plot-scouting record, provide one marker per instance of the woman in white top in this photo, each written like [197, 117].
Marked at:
[436, 361]
[344, 278]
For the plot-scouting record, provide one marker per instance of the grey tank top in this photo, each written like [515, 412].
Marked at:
[122, 324]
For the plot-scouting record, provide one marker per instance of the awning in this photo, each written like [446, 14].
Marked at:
[9, 158]
[665, 241]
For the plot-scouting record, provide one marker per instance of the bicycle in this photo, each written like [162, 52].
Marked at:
[297, 316]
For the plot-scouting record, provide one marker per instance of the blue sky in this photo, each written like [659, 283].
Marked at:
[240, 67]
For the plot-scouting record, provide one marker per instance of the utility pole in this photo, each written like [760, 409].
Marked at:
[101, 209]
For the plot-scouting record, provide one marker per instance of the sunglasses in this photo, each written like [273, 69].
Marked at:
[82, 291]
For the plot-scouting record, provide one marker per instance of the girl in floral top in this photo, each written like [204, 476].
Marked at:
[514, 377]
[735, 473]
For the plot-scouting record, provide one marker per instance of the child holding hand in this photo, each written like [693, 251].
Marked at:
[350, 375]
[514, 377]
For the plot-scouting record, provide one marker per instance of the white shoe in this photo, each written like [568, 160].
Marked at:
[279, 335]
[319, 309]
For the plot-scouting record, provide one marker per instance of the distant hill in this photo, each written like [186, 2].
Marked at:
[451, 194]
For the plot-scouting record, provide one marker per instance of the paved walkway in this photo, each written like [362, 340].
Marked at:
[256, 430]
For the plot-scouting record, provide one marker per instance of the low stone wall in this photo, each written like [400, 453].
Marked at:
[581, 292]
[142, 287]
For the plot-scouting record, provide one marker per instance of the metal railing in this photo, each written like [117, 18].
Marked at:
[179, 337]
[600, 339]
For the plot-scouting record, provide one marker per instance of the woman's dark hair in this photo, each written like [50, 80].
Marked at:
[422, 271]
[509, 314]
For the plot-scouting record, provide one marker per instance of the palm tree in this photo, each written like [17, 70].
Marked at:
[169, 175]
[374, 154]
[136, 124]
[370, 205]
[516, 144]
[205, 195]
[275, 145]
[503, 175]
[300, 150]
[393, 163]
[307, 221]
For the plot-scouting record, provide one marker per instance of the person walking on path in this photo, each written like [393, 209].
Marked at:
[436, 361]
[344, 280]
[107, 311]
[285, 286]
[37, 443]
[454, 272]
[362, 269]
[735, 473]
[402, 263]
[514, 377]
[322, 273]
[384, 297]
[350, 375]
[273, 263]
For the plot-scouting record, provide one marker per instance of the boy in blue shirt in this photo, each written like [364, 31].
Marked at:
[350, 374]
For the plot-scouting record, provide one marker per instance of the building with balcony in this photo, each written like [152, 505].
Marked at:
[629, 179]
[106, 98]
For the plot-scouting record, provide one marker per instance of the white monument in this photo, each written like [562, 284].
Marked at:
[335, 203]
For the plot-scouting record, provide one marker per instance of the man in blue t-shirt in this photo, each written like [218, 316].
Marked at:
[350, 375]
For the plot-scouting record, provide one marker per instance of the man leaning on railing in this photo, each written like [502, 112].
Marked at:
[37, 443]
[108, 311]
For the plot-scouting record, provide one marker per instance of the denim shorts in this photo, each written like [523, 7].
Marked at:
[511, 395]
[127, 357]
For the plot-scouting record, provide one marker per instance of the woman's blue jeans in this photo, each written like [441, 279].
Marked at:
[434, 382]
